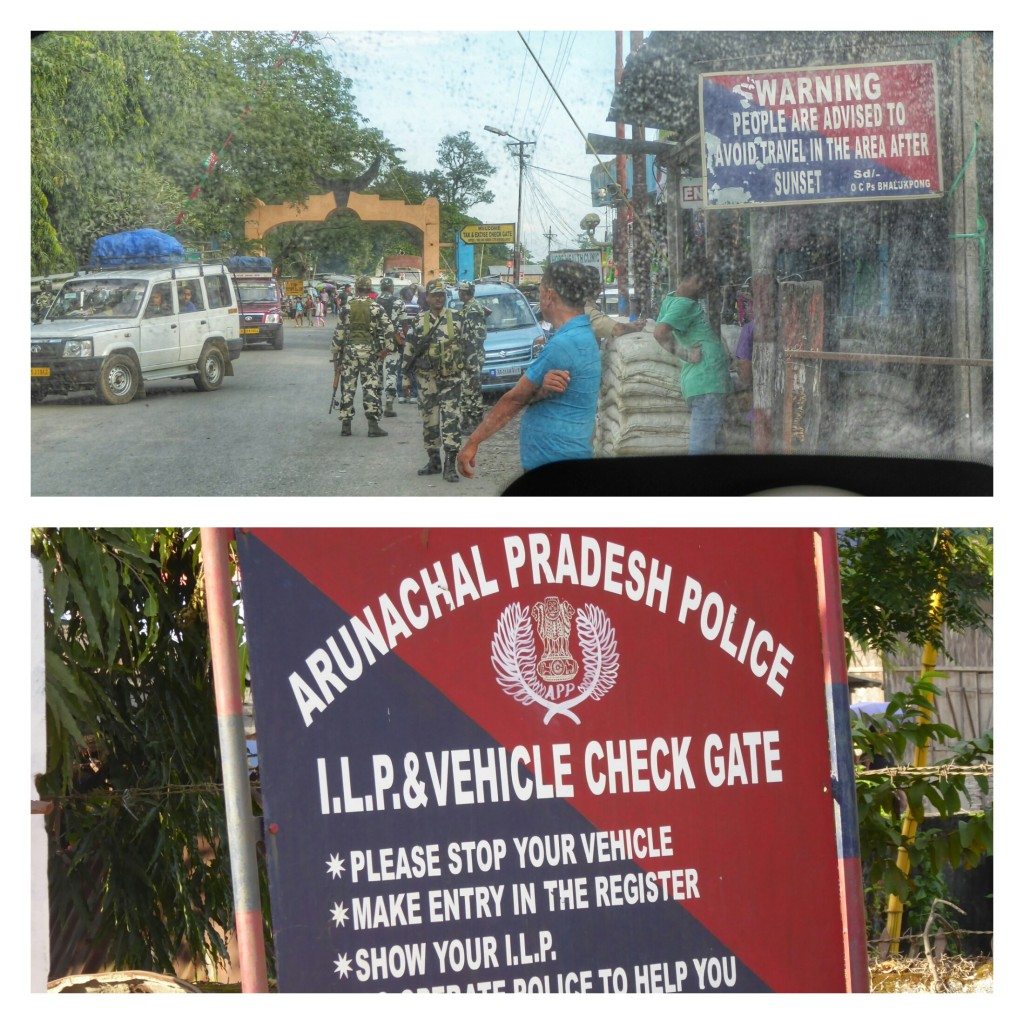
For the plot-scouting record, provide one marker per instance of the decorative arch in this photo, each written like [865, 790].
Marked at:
[425, 217]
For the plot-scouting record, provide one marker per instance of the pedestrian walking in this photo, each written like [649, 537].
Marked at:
[361, 341]
[437, 355]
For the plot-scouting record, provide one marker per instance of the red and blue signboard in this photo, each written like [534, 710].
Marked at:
[831, 134]
[550, 760]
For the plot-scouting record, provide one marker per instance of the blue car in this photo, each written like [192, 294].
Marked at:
[514, 336]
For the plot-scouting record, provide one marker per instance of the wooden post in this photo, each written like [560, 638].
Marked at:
[965, 97]
[763, 247]
[801, 326]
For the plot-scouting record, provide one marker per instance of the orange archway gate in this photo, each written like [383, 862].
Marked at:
[425, 216]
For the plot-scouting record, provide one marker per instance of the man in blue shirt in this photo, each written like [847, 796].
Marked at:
[557, 393]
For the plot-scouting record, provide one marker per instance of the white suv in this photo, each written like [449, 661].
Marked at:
[114, 329]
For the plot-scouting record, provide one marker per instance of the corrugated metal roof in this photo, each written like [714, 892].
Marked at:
[659, 86]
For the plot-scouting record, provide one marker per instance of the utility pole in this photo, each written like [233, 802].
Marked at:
[619, 250]
[517, 249]
[550, 234]
[641, 235]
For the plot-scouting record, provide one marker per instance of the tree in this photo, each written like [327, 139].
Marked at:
[904, 586]
[137, 840]
[460, 179]
[124, 126]
[888, 578]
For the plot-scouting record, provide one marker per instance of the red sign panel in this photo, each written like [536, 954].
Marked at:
[553, 760]
[821, 134]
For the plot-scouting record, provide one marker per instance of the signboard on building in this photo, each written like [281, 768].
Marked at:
[488, 234]
[691, 194]
[293, 287]
[586, 257]
[553, 760]
[831, 134]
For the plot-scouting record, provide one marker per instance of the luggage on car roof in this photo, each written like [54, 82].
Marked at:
[142, 248]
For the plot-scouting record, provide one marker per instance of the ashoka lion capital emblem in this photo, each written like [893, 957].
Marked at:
[550, 681]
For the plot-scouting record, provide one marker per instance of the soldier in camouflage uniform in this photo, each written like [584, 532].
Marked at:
[393, 306]
[363, 337]
[437, 352]
[474, 315]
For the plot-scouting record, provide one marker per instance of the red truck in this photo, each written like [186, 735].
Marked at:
[259, 295]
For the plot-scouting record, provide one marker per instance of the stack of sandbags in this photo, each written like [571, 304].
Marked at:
[640, 410]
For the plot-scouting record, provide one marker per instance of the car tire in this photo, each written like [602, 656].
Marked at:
[38, 394]
[278, 340]
[119, 379]
[211, 369]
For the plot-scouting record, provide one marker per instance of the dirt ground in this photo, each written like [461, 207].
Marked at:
[954, 974]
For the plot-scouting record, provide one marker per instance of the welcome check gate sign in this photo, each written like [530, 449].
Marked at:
[553, 760]
[828, 134]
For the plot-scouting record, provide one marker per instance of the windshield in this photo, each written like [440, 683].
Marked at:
[97, 299]
[256, 292]
[508, 312]
[791, 230]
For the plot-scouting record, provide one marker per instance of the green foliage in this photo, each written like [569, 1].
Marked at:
[123, 125]
[889, 740]
[137, 841]
[889, 575]
[460, 180]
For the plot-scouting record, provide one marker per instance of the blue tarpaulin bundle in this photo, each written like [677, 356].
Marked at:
[249, 264]
[140, 248]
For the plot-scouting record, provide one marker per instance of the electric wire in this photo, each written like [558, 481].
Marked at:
[568, 189]
[637, 221]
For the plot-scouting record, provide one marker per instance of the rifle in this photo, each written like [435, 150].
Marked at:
[335, 404]
[420, 349]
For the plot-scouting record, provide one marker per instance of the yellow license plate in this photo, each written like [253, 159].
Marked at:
[250, 330]
[40, 371]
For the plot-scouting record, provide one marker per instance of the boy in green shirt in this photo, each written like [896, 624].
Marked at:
[683, 330]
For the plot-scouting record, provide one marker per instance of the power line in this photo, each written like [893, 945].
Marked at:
[637, 220]
[569, 190]
[561, 174]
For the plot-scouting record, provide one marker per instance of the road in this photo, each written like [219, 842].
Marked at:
[265, 432]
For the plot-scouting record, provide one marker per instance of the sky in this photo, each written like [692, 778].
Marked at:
[417, 87]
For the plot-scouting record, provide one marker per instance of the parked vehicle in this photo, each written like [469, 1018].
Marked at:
[514, 336]
[113, 330]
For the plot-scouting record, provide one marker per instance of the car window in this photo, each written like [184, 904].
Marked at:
[98, 299]
[217, 290]
[190, 296]
[508, 311]
[159, 304]
[834, 189]
[256, 292]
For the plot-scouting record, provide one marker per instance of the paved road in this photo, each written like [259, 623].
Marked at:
[265, 432]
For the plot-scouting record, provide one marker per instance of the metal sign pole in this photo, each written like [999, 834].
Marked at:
[234, 767]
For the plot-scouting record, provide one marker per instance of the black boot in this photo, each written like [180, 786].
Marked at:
[433, 465]
[375, 429]
[451, 473]
[346, 428]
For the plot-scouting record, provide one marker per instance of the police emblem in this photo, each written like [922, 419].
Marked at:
[550, 681]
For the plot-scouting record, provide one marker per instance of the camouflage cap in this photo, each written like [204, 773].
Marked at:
[386, 284]
[435, 286]
[467, 286]
[572, 282]
[364, 284]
